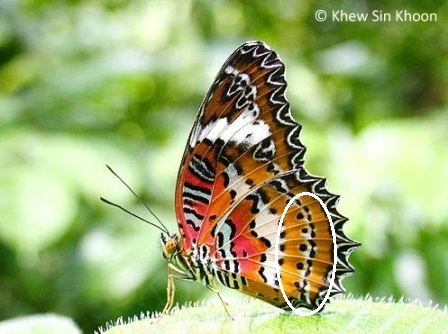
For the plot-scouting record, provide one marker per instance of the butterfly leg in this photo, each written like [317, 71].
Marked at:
[170, 292]
[170, 288]
[222, 300]
[173, 273]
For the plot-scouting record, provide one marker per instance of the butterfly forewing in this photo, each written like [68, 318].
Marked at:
[226, 114]
[242, 164]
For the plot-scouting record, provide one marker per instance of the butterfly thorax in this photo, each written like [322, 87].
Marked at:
[194, 265]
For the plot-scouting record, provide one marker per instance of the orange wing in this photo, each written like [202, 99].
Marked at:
[242, 164]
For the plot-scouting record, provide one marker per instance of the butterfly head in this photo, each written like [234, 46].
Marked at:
[170, 245]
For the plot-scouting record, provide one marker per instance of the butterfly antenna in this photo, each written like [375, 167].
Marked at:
[131, 213]
[140, 200]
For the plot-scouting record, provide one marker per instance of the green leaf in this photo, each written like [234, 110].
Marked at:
[341, 315]
[39, 324]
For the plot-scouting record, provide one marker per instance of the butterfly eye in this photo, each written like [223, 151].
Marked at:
[170, 245]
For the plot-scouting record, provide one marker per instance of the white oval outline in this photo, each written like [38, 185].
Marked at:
[277, 266]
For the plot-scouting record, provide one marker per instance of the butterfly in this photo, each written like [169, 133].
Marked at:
[242, 164]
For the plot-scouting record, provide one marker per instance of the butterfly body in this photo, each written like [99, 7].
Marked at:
[242, 164]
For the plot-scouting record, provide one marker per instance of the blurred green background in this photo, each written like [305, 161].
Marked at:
[89, 83]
